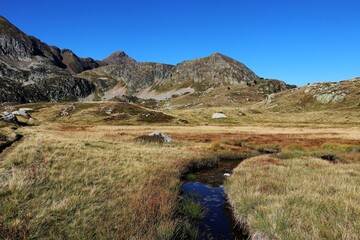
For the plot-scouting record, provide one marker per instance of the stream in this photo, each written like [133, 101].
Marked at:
[217, 222]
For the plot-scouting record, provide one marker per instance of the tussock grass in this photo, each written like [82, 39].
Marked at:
[81, 185]
[93, 181]
[192, 209]
[298, 198]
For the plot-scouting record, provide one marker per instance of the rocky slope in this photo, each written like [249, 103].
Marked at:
[344, 95]
[30, 70]
[164, 82]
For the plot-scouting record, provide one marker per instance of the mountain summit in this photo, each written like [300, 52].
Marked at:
[118, 57]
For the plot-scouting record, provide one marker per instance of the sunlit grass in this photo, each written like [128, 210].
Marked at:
[81, 185]
[297, 198]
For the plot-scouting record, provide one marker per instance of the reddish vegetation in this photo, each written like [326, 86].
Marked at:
[304, 140]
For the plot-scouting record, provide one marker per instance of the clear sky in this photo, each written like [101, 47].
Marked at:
[298, 41]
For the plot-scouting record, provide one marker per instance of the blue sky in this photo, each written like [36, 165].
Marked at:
[298, 41]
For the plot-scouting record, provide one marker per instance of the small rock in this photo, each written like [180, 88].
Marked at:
[270, 98]
[26, 109]
[227, 174]
[218, 115]
[21, 113]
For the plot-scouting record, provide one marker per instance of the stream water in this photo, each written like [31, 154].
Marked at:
[217, 222]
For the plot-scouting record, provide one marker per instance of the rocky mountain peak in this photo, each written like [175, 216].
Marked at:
[214, 69]
[118, 57]
[13, 42]
[67, 51]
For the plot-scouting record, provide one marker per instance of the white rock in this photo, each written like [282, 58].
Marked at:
[218, 115]
[26, 109]
[162, 135]
[21, 113]
[8, 117]
[227, 174]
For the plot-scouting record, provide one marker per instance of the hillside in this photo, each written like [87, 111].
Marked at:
[344, 95]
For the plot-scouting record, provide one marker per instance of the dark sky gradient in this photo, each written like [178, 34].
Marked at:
[298, 41]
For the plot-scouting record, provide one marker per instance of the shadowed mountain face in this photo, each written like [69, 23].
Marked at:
[31, 70]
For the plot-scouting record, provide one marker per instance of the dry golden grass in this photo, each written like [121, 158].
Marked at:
[254, 115]
[97, 113]
[89, 184]
[301, 198]
[91, 181]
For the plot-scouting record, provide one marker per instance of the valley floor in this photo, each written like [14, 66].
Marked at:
[76, 181]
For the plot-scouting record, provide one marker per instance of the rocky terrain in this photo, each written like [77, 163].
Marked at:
[31, 71]
[343, 95]
[149, 80]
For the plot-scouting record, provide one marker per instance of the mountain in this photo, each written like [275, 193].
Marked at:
[119, 57]
[164, 82]
[74, 64]
[31, 70]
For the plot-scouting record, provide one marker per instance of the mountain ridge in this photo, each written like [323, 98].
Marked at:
[27, 64]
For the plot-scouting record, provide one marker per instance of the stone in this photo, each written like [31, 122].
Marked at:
[218, 116]
[157, 137]
[164, 136]
[26, 109]
[270, 98]
[333, 97]
[9, 117]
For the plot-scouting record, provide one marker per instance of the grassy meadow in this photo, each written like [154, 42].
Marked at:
[70, 180]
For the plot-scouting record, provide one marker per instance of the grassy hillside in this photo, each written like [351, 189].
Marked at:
[344, 95]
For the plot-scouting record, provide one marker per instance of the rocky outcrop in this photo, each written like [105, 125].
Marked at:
[326, 92]
[317, 96]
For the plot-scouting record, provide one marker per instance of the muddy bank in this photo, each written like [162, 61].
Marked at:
[8, 143]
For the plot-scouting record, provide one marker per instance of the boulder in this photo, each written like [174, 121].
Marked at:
[158, 137]
[9, 117]
[218, 115]
[164, 136]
